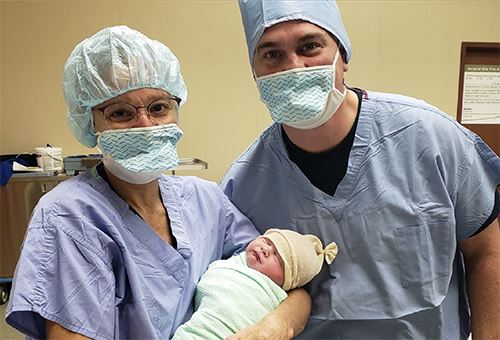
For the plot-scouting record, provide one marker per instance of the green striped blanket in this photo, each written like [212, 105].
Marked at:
[229, 297]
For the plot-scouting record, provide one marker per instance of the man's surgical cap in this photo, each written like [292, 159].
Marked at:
[257, 15]
[114, 61]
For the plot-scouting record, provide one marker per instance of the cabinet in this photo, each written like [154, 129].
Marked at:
[17, 200]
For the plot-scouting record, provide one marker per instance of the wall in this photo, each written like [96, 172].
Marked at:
[410, 47]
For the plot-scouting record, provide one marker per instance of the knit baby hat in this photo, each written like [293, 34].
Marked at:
[303, 255]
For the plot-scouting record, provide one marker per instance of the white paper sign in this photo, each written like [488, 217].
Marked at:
[481, 97]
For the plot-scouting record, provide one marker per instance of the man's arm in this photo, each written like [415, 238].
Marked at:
[285, 322]
[482, 266]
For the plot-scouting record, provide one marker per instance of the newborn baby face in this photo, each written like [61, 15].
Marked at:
[263, 257]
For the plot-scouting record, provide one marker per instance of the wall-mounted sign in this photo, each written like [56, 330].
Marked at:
[478, 104]
[481, 94]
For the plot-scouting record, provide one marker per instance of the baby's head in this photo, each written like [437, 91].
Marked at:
[288, 258]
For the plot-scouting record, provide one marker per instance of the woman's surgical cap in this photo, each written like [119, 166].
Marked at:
[257, 15]
[113, 61]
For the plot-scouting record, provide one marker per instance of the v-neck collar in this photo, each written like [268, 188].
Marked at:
[141, 231]
[347, 185]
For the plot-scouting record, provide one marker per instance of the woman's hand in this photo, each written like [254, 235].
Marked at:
[271, 327]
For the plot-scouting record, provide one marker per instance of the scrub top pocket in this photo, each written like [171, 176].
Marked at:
[423, 252]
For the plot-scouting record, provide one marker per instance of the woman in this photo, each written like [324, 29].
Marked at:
[117, 251]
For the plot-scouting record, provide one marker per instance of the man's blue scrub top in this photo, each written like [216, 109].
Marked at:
[416, 183]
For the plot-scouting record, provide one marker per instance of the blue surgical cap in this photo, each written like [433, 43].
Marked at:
[258, 15]
[114, 61]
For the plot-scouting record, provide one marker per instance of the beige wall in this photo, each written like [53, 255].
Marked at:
[410, 47]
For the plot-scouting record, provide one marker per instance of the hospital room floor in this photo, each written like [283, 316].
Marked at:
[7, 332]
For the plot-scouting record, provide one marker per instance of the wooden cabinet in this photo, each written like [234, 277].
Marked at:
[17, 200]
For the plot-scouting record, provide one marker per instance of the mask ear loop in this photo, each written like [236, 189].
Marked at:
[334, 65]
[339, 52]
[253, 74]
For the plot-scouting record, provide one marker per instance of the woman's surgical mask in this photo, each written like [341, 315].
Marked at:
[140, 155]
[303, 98]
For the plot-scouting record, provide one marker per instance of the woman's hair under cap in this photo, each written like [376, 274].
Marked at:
[114, 61]
[257, 15]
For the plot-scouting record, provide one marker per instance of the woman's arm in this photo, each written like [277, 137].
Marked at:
[287, 321]
[54, 331]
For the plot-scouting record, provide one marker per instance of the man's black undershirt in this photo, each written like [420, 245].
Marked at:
[325, 169]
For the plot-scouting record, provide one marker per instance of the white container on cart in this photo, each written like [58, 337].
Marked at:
[49, 158]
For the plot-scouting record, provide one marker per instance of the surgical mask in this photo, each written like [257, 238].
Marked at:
[303, 98]
[140, 155]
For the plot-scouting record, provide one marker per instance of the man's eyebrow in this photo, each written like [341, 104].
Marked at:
[313, 36]
[267, 44]
[306, 37]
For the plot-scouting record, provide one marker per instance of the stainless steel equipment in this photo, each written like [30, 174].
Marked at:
[76, 164]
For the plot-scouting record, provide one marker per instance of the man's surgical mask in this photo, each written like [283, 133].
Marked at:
[303, 98]
[140, 155]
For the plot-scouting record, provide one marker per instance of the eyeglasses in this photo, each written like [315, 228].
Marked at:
[124, 114]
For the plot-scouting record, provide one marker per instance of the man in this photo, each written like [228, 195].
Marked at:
[409, 195]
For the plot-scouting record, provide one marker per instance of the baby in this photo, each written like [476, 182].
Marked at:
[238, 292]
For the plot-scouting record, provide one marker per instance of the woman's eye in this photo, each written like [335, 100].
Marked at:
[117, 114]
[159, 107]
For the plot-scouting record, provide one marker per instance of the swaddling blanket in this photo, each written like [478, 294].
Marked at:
[229, 297]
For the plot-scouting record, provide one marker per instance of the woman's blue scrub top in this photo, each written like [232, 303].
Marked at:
[416, 183]
[92, 265]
